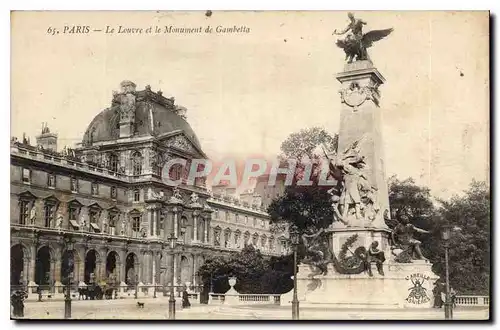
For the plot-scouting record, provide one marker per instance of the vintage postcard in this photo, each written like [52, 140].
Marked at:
[250, 165]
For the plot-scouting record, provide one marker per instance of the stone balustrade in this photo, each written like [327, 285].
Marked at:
[472, 301]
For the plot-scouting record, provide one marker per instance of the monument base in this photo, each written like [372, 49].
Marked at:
[403, 286]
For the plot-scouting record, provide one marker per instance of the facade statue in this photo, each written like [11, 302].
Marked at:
[216, 238]
[33, 214]
[105, 222]
[356, 43]
[405, 247]
[176, 196]
[194, 198]
[83, 223]
[59, 221]
[123, 227]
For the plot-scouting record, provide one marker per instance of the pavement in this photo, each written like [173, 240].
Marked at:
[157, 309]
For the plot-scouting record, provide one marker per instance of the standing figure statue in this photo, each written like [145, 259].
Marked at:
[59, 221]
[405, 246]
[33, 214]
[83, 223]
[122, 231]
[355, 42]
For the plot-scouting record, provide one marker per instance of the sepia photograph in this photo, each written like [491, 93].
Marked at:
[250, 165]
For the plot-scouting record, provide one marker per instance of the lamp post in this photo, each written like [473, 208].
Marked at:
[446, 235]
[171, 300]
[156, 283]
[294, 234]
[67, 298]
[136, 285]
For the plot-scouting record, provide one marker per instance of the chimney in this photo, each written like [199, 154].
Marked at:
[126, 99]
[47, 140]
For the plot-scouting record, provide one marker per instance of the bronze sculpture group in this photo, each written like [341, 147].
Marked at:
[356, 42]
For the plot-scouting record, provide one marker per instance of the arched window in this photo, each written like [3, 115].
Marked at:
[113, 162]
[136, 163]
[175, 172]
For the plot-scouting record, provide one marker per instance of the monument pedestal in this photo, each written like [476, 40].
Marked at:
[403, 286]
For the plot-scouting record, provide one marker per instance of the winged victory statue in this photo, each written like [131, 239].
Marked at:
[356, 43]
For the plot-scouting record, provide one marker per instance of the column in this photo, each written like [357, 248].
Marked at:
[32, 264]
[122, 272]
[170, 267]
[155, 267]
[193, 269]
[118, 271]
[155, 222]
[167, 226]
[150, 221]
[176, 222]
[195, 226]
[206, 227]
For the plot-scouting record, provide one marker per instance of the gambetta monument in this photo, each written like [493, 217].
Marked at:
[337, 270]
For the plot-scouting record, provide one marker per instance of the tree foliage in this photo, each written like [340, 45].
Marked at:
[304, 143]
[469, 248]
[255, 272]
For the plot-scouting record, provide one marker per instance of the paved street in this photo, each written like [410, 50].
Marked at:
[157, 309]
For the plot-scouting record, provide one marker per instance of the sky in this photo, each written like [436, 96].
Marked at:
[246, 92]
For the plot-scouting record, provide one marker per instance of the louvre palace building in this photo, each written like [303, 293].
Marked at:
[104, 206]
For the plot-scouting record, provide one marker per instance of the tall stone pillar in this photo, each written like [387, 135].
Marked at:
[32, 263]
[360, 123]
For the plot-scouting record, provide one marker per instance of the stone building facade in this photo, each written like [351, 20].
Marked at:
[105, 202]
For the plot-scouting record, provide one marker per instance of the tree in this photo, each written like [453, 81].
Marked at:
[469, 248]
[304, 143]
[308, 207]
[255, 272]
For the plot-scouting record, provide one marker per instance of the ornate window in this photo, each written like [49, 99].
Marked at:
[227, 235]
[255, 222]
[49, 209]
[137, 195]
[94, 189]
[227, 215]
[175, 172]
[217, 231]
[113, 162]
[136, 225]
[237, 235]
[113, 193]
[24, 212]
[200, 181]
[26, 202]
[94, 214]
[136, 163]
[263, 240]
[51, 180]
[113, 221]
[74, 208]
[26, 175]
[74, 185]
[255, 239]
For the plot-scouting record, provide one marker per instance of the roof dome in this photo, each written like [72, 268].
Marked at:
[154, 115]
